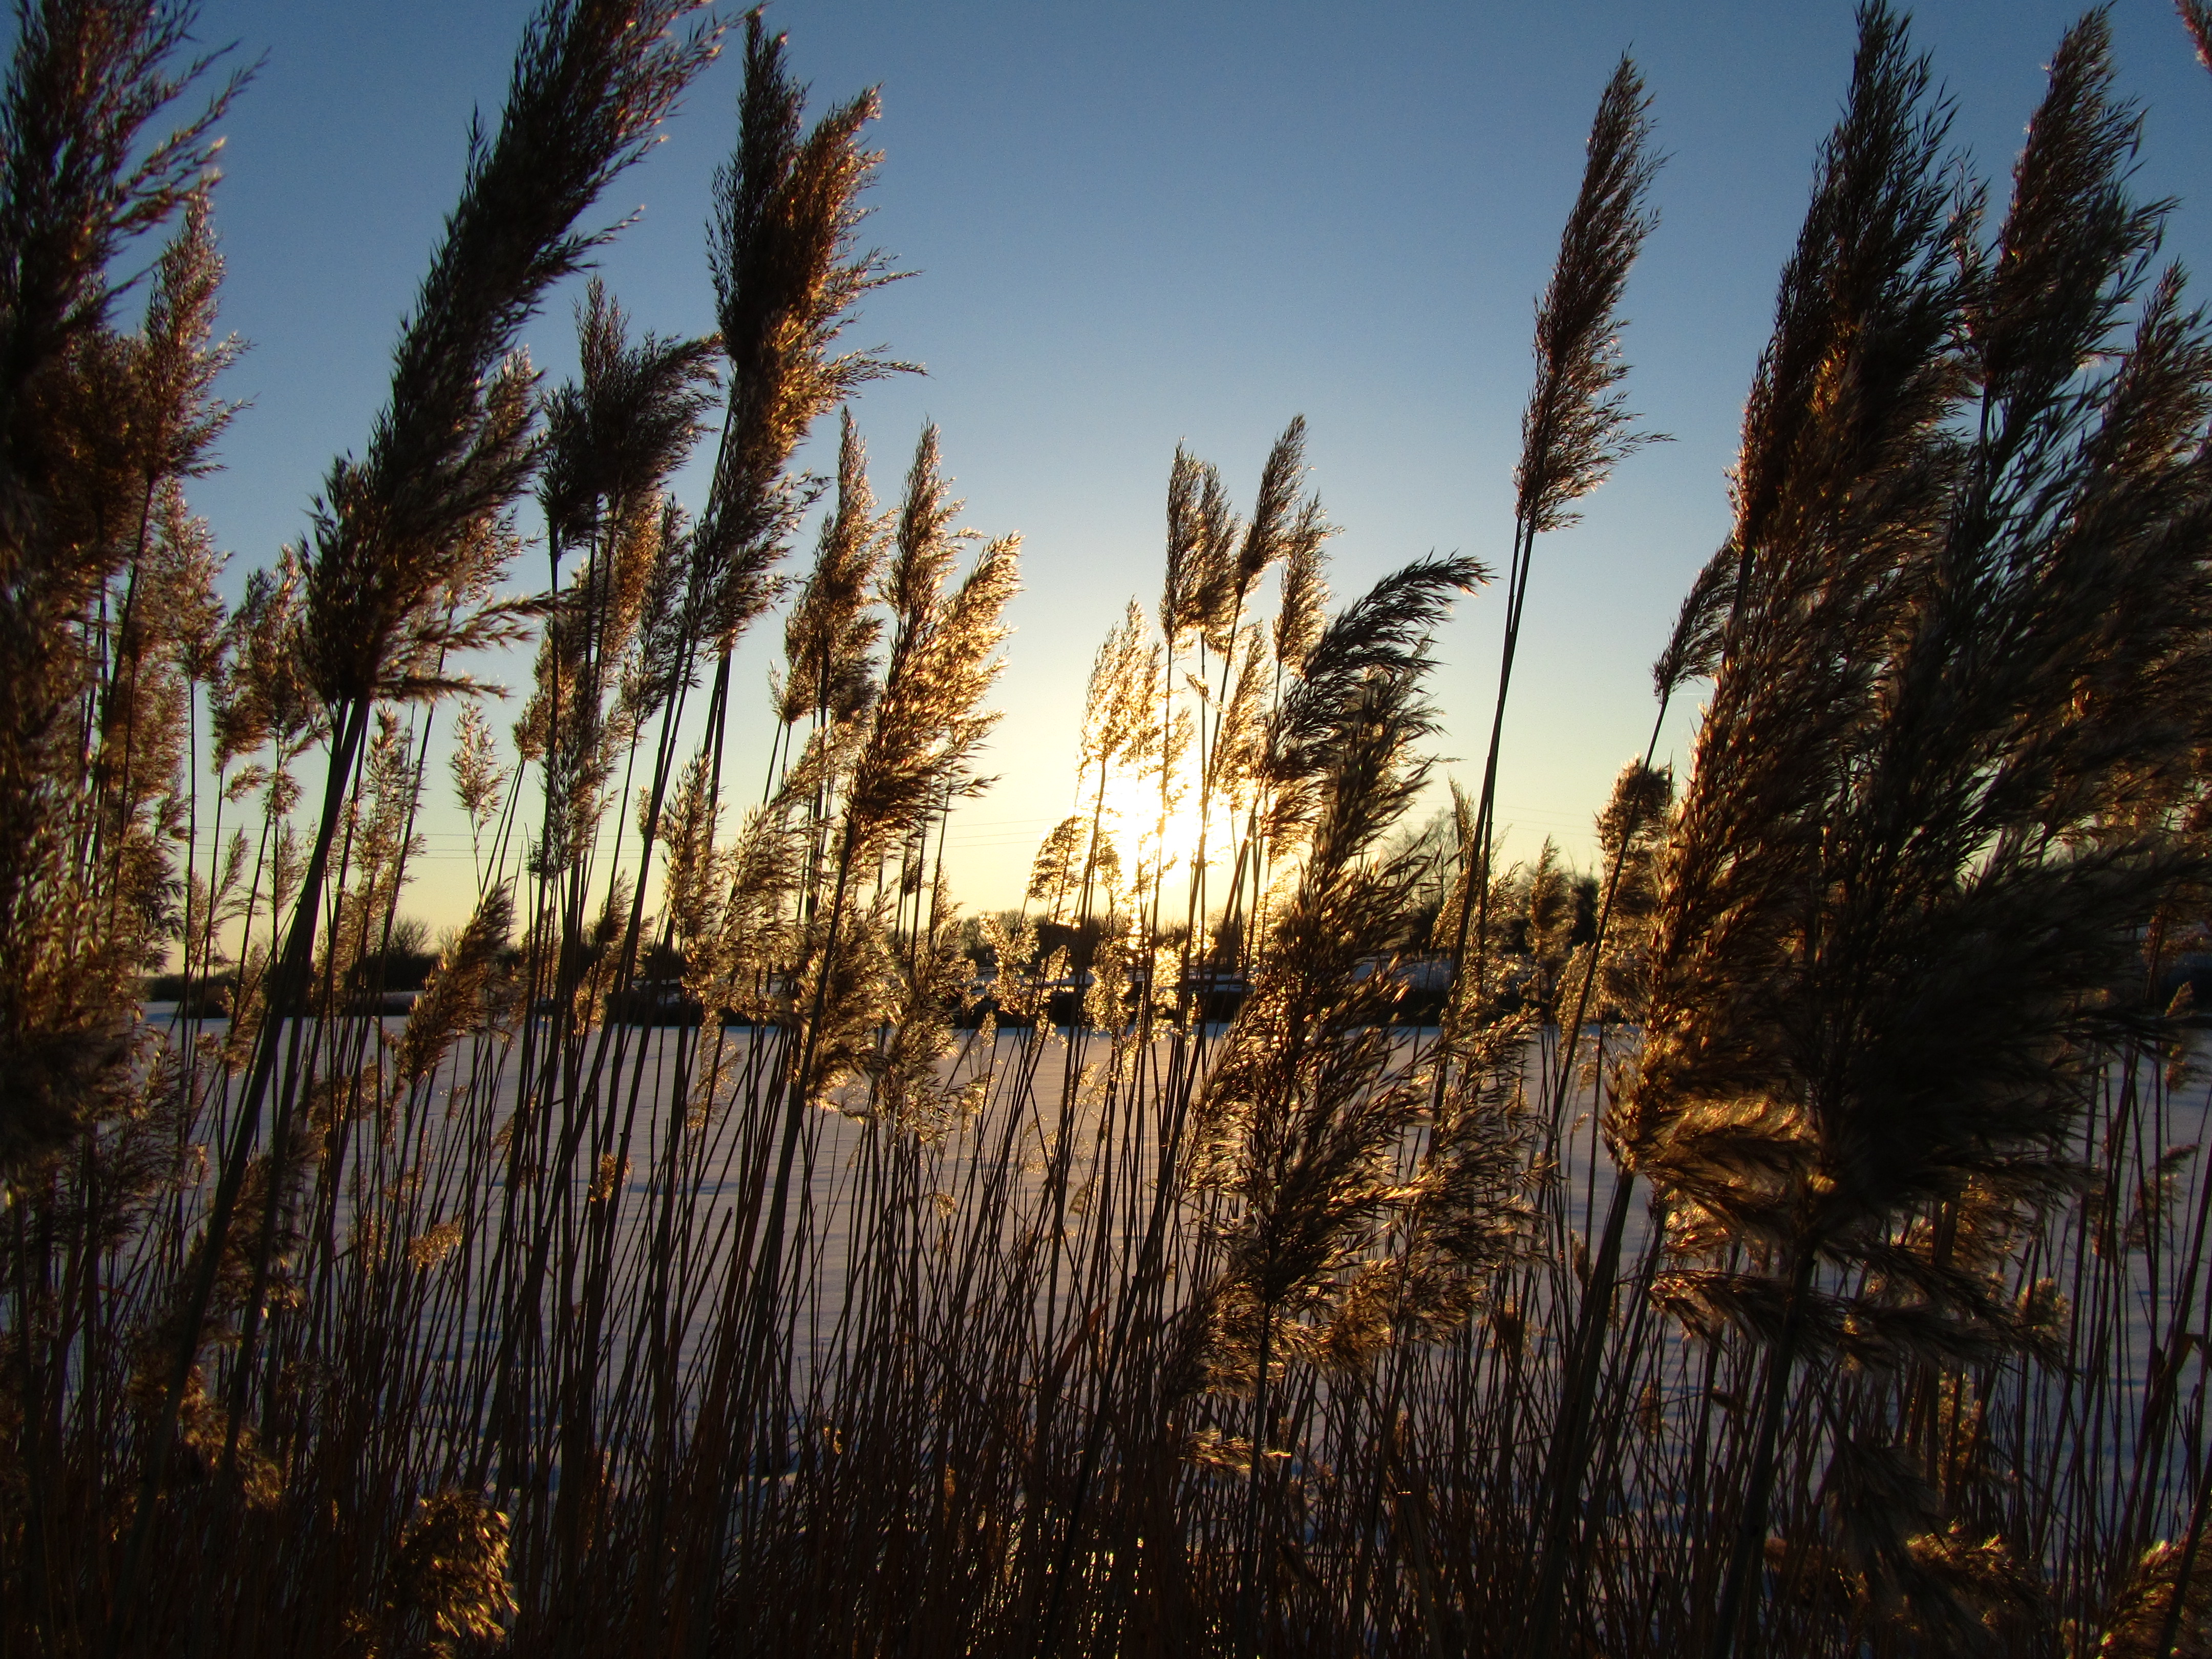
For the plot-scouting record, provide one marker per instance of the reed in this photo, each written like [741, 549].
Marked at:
[1292, 1231]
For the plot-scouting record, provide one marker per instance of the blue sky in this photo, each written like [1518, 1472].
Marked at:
[1138, 224]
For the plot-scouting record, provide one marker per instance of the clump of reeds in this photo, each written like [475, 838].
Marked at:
[95, 426]
[1916, 848]
[1239, 1247]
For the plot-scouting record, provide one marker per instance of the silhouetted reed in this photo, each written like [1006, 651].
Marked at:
[1292, 1230]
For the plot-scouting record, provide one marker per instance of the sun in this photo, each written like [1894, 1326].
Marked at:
[1133, 821]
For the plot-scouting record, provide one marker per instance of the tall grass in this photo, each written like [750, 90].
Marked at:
[1290, 1231]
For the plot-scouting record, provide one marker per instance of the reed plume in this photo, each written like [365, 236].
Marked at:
[455, 1001]
[927, 722]
[611, 440]
[613, 437]
[787, 272]
[1576, 427]
[1201, 550]
[1376, 648]
[831, 635]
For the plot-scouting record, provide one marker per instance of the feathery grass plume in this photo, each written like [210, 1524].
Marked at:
[1214, 567]
[1106, 998]
[2071, 253]
[1057, 869]
[1632, 836]
[1202, 552]
[1126, 689]
[1847, 408]
[830, 635]
[1467, 1211]
[1575, 429]
[1283, 528]
[613, 437]
[590, 956]
[180, 358]
[2162, 1608]
[1118, 698]
[1878, 252]
[405, 535]
[2010, 709]
[924, 724]
[260, 696]
[1236, 756]
[1267, 535]
[1011, 941]
[446, 1590]
[86, 79]
[2197, 18]
[663, 659]
[787, 276]
[1575, 426]
[610, 442]
[1302, 608]
[454, 1002]
[138, 737]
[138, 419]
[181, 568]
[733, 919]
[479, 778]
[1898, 1563]
[1376, 646]
[1693, 647]
[380, 839]
[911, 1088]
[927, 722]
[692, 877]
